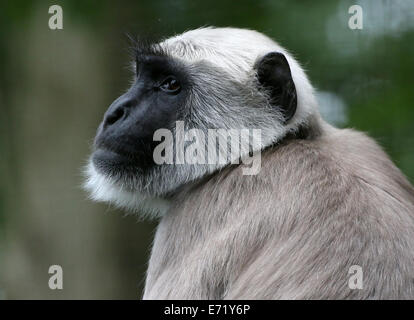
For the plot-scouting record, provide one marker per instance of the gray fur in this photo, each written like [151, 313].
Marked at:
[324, 200]
[316, 208]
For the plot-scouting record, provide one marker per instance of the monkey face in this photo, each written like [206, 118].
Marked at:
[124, 142]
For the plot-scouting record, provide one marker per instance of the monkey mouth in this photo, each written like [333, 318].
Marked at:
[103, 155]
[118, 164]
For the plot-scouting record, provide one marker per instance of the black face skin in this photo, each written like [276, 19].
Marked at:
[124, 142]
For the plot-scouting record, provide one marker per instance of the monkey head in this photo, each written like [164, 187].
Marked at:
[209, 78]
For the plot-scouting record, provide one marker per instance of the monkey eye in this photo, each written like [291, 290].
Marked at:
[170, 85]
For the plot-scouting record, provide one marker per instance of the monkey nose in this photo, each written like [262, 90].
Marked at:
[117, 112]
[114, 116]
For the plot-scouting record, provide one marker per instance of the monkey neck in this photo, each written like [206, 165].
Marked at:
[312, 129]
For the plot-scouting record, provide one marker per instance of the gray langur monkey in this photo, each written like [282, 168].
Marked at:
[324, 200]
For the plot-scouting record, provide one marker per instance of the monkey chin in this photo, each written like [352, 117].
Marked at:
[104, 188]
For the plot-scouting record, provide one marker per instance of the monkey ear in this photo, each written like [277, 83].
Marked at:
[273, 73]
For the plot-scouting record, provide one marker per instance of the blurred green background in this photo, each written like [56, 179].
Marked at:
[56, 84]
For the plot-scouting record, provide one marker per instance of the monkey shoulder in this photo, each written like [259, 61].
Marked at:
[338, 171]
